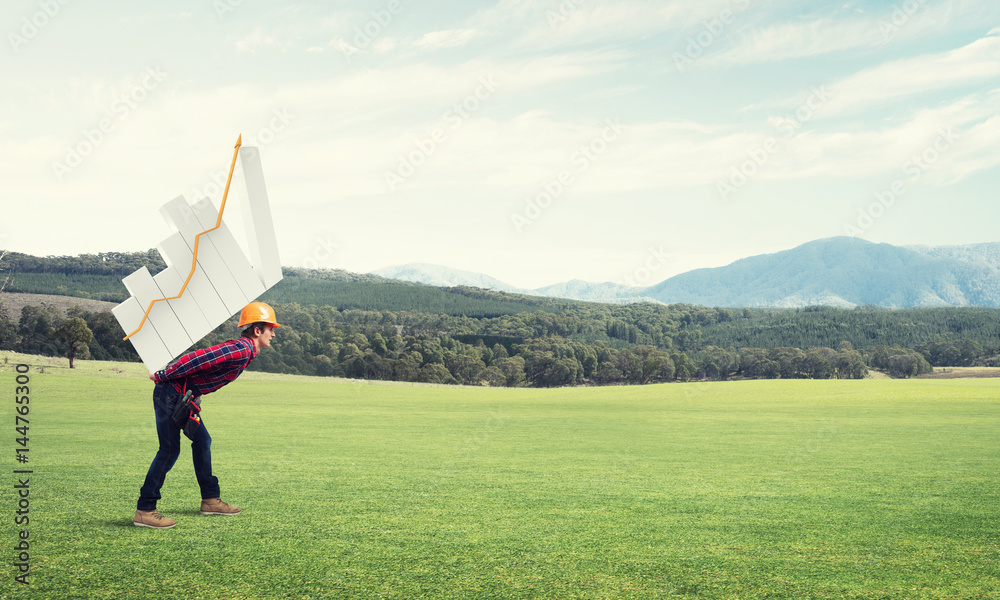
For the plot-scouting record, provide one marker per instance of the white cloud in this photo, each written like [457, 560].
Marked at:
[576, 22]
[967, 126]
[449, 38]
[383, 45]
[256, 40]
[971, 64]
[556, 80]
[797, 40]
[817, 37]
[341, 45]
[974, 150]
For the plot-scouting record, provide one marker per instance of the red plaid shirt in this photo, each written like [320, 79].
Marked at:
[209, 369]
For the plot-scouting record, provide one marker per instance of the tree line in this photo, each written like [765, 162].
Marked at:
[364, 326]
[529, 349]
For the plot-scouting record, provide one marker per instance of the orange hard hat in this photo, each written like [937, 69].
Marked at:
[257, 312]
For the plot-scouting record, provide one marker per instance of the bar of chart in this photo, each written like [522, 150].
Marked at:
[208, 277]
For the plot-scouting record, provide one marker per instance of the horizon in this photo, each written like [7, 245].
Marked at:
[561, 281]
[532, 141]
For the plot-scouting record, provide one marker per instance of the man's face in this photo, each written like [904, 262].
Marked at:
[265, 337]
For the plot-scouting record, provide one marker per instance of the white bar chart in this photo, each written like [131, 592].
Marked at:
[208, 277]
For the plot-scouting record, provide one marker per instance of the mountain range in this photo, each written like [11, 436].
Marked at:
[837, 271]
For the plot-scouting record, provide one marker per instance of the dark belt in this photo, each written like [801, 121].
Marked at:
[184, 385]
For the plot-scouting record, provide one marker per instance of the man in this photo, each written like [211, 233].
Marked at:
[202, 372]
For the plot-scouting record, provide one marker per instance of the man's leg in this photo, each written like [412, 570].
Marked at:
[201, 454]
[168, 434]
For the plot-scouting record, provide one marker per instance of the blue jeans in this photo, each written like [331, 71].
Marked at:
[165, 398]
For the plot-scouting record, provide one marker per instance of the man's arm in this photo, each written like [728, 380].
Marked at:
[191, 363]
[201, 360]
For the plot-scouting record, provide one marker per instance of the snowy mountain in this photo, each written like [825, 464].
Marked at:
[839, 271]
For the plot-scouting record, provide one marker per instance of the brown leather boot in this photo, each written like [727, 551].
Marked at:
[215, 506]
[153, 519]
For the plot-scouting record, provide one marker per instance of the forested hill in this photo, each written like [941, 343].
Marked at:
[98, 277]
[344, 324]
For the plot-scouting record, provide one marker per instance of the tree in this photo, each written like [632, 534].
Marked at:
[754, 363]
[608, 373]
[818, 364]
[879, 358]
[560, 371]
[499, 351]
[789, 361]
[8, 333]
[35, 330]
[630, 366]
[407, 367]
[512, 369]
[683, 367]
[494, 377]
[378, 345]
[908, 364]
[587, 358]
[435, 373]
[75, 336]
[902, 365]
[107, 343]
[352, 361]
[465, 368]
[324, 366]
[652, 365]
[850, 365]
[970, 350]
[717, 363]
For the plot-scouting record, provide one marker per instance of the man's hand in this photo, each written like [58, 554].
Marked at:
[152, 377]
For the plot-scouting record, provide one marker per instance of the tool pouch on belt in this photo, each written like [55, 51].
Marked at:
[187, 415]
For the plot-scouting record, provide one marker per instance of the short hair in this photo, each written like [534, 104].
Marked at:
[248, 330]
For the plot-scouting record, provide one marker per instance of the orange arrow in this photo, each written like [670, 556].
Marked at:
[194, 259]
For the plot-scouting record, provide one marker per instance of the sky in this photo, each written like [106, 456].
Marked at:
[532, 141]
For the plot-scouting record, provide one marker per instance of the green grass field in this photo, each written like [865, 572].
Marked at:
[757, 489]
